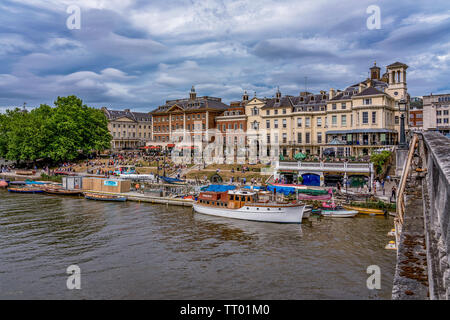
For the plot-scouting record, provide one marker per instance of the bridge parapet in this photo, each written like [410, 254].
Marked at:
[437, 213]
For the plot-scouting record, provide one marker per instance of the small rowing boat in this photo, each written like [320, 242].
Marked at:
[104, 197]
[25, 190]
[62, 192]
[338, 213]
[330, 209]
[365, 210]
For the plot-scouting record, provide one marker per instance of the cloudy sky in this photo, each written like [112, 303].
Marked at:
[136, 54]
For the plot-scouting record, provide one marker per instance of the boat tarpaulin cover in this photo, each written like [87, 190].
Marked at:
[218, 188]
[278, 189]
[254, 187]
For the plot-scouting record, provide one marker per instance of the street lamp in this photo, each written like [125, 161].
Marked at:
[402, 108]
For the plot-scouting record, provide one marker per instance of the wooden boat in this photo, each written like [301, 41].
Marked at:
[240, 204]
[25, 190]
[365, 210]
[25, 172]
[338, 212]
[104, 197]
[3, 184]
[62, 192]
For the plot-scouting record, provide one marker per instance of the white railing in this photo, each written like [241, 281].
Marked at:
[325, 166]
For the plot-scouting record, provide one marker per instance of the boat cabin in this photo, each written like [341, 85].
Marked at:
[233, 199]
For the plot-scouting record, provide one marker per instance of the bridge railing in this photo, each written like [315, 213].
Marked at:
[437, 213]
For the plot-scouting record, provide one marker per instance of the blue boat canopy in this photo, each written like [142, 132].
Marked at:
[284, 190]
[218, 188]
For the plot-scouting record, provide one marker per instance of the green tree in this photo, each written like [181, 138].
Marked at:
[58, 134]
[379, 159]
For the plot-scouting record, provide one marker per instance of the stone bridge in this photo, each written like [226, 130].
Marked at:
[422, 222]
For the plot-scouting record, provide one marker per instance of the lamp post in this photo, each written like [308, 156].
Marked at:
[402, 108]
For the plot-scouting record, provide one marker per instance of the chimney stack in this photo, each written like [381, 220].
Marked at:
[332, 94]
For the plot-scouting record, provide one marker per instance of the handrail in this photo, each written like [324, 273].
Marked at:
[400, 203]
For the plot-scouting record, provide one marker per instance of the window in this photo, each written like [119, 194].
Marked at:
[344, 106]
[439, 120]
[267, 112]
[299, 122]
[268, 138]
[445, 112]
[284, 111]
[333, 106]
[268, 124]
[284, 138]
[367, 101]
[438, 113]
[344, 120]
[307, 138]
[319, 122]
[284, 123]
[275, 111]
[334, 121]
[365, 117]
[275, 124]
[319, 137]
[374, 117]
[307, 122]
[397, 120]
[255, 111]
[299, 137]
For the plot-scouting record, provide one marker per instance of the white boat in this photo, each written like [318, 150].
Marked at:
[339, 213]
[239, 204]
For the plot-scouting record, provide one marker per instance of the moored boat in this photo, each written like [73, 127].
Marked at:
[62, 192]
[365, 210]
[245, 205]
[104, 197]
[338, 213]
[25, 190]
[3, 183]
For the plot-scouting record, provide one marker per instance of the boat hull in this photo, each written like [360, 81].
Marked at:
[339, 213]
[366, 210]
[288, 214]
[25, 191]
[63, 192]
[100, 197]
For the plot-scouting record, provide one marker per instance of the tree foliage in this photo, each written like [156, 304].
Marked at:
[57, 134]
[379, 160]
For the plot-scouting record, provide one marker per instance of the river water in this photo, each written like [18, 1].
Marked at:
[144, 251]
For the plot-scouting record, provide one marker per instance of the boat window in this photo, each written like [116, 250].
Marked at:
[231, 197]
[247, 208]
[279, 209]
[257, 208]
[226, 205]
[207, 202]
